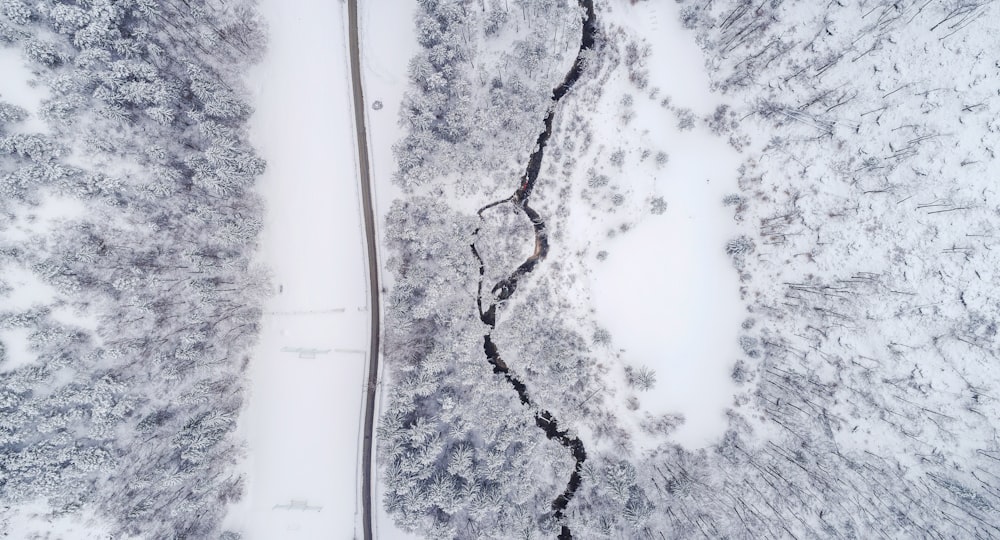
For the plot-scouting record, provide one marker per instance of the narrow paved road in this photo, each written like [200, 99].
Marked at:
[373, 286]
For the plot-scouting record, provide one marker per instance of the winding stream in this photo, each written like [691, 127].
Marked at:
[505, 288]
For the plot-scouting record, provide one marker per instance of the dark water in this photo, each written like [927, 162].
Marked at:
[505, 288]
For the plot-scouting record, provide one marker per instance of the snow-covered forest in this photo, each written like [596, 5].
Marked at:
[128, 299]
[863, 382]
[753, 294]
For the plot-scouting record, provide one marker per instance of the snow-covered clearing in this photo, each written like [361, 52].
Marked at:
[308, 373]
[667, 292]
[34, 521]
[17, 88]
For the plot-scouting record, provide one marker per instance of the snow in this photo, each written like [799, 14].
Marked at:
[16, 349]
[16, 88]
[39, 221]
[27, 292]
[303, 420]
[388, 41]
[74, 316]
[33, 520]
[667, 292]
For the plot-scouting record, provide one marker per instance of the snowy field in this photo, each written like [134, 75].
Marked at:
[304, 418]
[667, 292]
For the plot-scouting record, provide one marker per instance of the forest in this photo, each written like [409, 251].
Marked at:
[867, 380]
[127, 230]
[866, 383]
[460, 453]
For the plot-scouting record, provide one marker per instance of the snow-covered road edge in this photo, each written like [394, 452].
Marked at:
[302, 420]
[387, 44]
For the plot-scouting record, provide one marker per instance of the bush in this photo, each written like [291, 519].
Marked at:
[739, 246]
[642, 378]
[685, 119]
[657, 205]
[601, 335]
[618, 158]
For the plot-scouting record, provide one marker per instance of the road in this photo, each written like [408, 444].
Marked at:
[373, 285]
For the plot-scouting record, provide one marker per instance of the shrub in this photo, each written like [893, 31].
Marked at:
[642, 378]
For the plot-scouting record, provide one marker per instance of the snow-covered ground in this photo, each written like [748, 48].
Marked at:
[34, 521]
[17, 88]
[304, 418]
[388, 41]
[667, 292]
[308, 373]
[26, 290]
